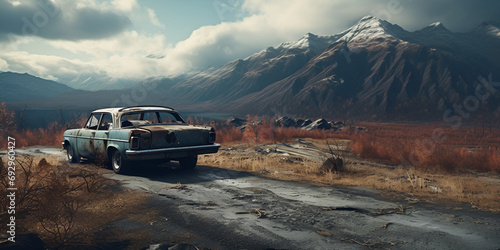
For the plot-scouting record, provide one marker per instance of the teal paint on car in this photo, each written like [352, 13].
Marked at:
[122, 136]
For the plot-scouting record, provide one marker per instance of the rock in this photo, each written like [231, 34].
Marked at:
[338, 124]
[242, 128]
[299, 122]
[285, 121]
[237, 122]
[306, 123]
[319, 124]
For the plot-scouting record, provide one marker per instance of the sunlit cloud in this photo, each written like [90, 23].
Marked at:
[154, 19]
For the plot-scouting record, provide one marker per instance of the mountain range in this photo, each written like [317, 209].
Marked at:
[374, 69]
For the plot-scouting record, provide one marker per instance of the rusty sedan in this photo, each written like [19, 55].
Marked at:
[122, 136]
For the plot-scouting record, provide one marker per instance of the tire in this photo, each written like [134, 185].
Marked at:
[118, 163]
[188, 163]
[72, 155]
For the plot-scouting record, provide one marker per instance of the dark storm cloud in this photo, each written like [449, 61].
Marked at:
[48, 20]
[456, 15]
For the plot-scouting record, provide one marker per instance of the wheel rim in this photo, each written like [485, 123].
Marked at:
[69, 153]
[116, 160]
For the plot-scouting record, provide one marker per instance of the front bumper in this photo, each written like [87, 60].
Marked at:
[170, 153]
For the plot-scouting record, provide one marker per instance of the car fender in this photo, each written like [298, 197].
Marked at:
[118, 140]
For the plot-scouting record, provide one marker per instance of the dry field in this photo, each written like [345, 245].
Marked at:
[481, 190]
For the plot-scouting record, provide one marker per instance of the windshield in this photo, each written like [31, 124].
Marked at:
[144, 118]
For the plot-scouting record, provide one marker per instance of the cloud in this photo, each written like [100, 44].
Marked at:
[68, 20]
[45, 66]
[126, 56]
[125, 5]
[4, 66]
[457, 15]
[101, 31]
[154, 19]
[270, 22]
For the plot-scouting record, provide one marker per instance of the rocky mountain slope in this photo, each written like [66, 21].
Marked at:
[18, 87]
[375, 68]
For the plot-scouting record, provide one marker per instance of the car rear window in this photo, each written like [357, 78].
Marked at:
[144, 118]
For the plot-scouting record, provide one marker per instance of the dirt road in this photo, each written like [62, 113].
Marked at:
[224, 209]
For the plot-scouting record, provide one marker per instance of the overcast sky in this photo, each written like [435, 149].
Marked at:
[61, 39]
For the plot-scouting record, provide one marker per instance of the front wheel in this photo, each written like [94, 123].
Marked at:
[72, 154]
[119, 164]
[188, 163]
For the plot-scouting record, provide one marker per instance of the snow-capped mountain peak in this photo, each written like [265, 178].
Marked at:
[436, 28]
[370, 27]
[310, 41]
[488, 28]
[436, 24]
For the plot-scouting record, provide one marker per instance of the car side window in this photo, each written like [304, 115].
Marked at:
[93, 121]
[106, 122]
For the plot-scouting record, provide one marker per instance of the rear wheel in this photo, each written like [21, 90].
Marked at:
[188, 163]
[72, 154]
[119, 164]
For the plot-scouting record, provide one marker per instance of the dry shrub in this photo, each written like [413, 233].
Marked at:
[335, 159]
[7, 120]
[263, 131]
[57, 201]
[229, 134]
[51, 135]
[332, 164]
[466, 148]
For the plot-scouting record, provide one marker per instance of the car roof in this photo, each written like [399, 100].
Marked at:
[132, 109]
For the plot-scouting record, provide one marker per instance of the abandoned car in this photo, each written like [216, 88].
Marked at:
[122, 136]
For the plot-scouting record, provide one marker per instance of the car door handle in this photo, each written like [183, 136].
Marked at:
[93, 133]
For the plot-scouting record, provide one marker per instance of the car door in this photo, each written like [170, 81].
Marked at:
[101, 136]
[85, 139]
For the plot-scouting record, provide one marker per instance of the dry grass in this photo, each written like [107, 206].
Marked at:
[480, 190]
[424, 146]
[432, 147]
[66, 204]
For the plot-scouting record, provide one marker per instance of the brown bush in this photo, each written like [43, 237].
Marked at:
[333, 165]
[465, 148]
[54, 201]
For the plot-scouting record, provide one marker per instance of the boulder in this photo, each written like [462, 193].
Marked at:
[319, 124]
[306, 123]
[285, 121]
[338, 124]
[299, 122]
[237, 122]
